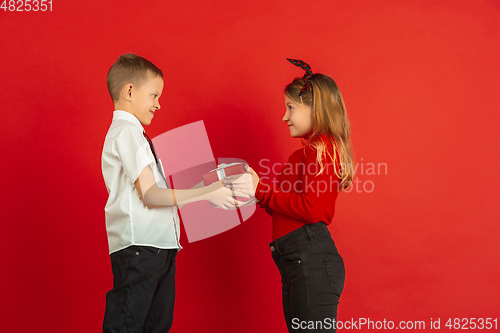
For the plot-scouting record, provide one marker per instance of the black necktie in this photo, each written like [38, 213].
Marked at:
[154, 154]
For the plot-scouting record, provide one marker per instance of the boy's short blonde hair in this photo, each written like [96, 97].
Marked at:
[129, 68]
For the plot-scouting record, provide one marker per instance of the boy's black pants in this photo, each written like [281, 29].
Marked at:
[143, 294]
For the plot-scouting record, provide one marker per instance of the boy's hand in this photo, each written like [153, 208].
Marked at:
[223, 197]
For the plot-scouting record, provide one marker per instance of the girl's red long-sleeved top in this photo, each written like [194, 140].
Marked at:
[301, 197]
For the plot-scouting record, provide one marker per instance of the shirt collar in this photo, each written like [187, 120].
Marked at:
[124, 115]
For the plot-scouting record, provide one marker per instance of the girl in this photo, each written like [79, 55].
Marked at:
[302, 204]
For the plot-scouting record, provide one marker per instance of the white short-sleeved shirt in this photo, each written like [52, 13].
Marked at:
[129, 221]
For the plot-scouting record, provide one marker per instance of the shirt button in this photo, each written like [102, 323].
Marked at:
[137, 253]
[272, 248]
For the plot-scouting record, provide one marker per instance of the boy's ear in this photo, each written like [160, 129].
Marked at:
[127, 91]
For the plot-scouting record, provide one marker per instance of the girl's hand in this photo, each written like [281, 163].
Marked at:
[223, 197]
[245, 183]
[255, 179]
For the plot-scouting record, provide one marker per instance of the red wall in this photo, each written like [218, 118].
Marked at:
[422, 89]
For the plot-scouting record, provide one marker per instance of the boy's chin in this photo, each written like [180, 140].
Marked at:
[146, 122]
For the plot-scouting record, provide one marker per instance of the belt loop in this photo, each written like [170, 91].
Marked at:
[309, 232]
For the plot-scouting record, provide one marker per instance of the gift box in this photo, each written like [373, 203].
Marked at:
[224, 170]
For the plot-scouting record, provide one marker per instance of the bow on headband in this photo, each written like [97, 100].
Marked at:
[307, 75]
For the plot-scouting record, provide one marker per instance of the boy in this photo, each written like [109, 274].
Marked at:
[141, 212]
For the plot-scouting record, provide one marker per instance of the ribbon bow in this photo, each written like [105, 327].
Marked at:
[307, 76]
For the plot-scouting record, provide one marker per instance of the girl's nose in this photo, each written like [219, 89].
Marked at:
[285, 116]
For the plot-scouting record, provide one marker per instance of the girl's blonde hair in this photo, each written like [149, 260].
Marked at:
[328, 117]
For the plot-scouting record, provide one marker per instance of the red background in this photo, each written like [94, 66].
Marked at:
[421, 85]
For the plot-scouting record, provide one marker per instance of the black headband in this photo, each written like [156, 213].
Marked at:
[307, 76]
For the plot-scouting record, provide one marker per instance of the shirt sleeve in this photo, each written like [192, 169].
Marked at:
[133, 151]
[314, 203]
